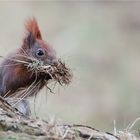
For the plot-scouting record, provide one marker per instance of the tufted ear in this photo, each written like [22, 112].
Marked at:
[32, 33]
[30, 40]
[33, 28]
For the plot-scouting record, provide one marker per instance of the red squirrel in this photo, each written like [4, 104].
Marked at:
[15, 78]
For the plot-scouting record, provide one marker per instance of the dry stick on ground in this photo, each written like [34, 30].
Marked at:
[14, 125]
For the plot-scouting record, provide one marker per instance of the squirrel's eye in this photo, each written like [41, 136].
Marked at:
[40, 52]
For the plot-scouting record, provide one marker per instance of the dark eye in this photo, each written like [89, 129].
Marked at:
[40, 52]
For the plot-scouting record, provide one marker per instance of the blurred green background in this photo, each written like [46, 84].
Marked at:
[100, 42]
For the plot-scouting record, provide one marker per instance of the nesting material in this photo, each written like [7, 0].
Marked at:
[59, 72]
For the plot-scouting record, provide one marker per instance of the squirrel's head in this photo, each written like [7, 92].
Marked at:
[39, 57]
[35, 46]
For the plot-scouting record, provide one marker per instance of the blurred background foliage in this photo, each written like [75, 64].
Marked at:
[100, 42]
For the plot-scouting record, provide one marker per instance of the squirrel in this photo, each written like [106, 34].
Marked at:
[15, 78]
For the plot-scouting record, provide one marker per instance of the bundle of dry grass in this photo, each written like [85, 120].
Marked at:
[58, 72]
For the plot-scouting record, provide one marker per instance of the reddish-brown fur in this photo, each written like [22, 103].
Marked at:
[32, 26]
[15, 78]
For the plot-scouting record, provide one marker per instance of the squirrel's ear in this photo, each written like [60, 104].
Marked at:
[28, 41]
[33, 28]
